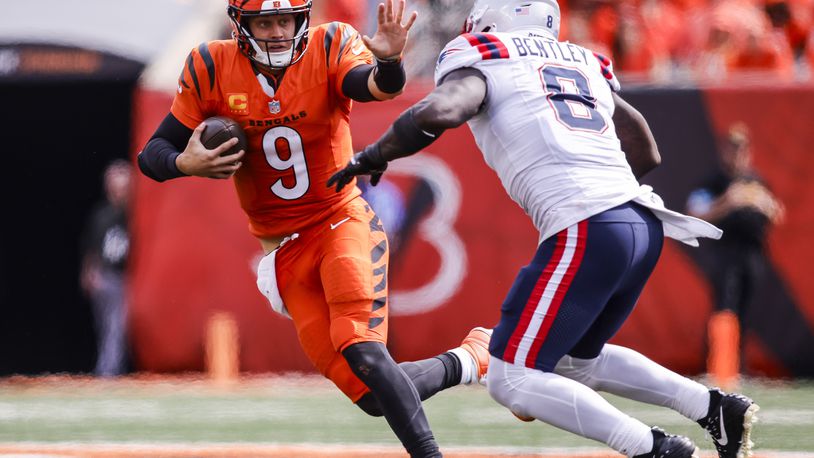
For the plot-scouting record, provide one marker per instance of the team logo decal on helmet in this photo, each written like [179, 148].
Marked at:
[503, 16]
[256, 48]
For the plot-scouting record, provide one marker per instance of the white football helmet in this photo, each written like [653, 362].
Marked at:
[508, 15]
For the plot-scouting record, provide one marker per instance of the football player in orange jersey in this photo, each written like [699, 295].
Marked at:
[290, 87]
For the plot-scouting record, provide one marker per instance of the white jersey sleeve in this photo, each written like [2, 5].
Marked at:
[606, 67]
[468, 50]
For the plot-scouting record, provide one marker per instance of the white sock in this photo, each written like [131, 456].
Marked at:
[630, 439]
[568, 405]
[469, 367]
[630, 374]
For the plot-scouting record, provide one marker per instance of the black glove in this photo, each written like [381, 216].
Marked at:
[368, 162]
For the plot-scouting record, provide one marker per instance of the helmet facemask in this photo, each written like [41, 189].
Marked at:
[257, 49]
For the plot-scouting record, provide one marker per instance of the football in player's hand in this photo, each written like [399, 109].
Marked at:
[220, 129]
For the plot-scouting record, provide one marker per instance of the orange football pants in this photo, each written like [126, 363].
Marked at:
[333, 280]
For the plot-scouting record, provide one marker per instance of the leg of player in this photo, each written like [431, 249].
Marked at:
[395, 395]
[574, 407]
[577, 292]
[354, 279]
[465, 364]
[626, 373]
[631, 375]
[462, 365]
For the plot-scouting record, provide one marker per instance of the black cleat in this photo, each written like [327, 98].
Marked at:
[729, 421]
[670, 446]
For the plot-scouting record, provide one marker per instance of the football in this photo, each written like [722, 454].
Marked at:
[220, 129]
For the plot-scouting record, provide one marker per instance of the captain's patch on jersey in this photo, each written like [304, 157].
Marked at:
[238, 102]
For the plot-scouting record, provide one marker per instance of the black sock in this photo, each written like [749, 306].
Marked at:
[434, 374]
[396, 396]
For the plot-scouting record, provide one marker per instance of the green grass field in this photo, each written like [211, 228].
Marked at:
[296, 410]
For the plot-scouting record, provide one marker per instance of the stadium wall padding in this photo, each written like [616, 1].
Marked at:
[458, 240]
[781, 322]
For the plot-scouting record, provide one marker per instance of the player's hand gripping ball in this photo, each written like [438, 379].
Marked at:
[220, 129]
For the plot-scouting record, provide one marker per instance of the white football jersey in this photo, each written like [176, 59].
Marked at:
[546, 127]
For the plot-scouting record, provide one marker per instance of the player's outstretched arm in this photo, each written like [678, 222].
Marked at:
[176, 151]
[457, 99]
[638, 142]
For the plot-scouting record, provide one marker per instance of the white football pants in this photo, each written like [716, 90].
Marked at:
[567, 398]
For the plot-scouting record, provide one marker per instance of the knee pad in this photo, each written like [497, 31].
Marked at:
[358, 309]
[347, 278]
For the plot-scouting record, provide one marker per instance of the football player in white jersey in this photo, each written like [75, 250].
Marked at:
[546, 116]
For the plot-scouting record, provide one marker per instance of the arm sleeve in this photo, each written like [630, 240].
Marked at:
[389, 78]
[354, 85]
[157, 160]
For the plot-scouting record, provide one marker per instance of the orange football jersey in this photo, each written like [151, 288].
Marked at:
[298, 135]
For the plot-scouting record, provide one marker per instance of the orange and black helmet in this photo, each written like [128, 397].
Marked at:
[240, 10]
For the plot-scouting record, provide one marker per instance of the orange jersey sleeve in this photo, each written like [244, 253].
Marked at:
[347, 50]
[297, 129]
[196, 96]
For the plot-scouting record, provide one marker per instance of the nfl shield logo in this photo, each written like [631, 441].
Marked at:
[274, 106]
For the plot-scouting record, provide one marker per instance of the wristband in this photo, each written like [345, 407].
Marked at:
[388, 60]
[389, 76]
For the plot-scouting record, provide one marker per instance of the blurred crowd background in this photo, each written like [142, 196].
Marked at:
[664, 41]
